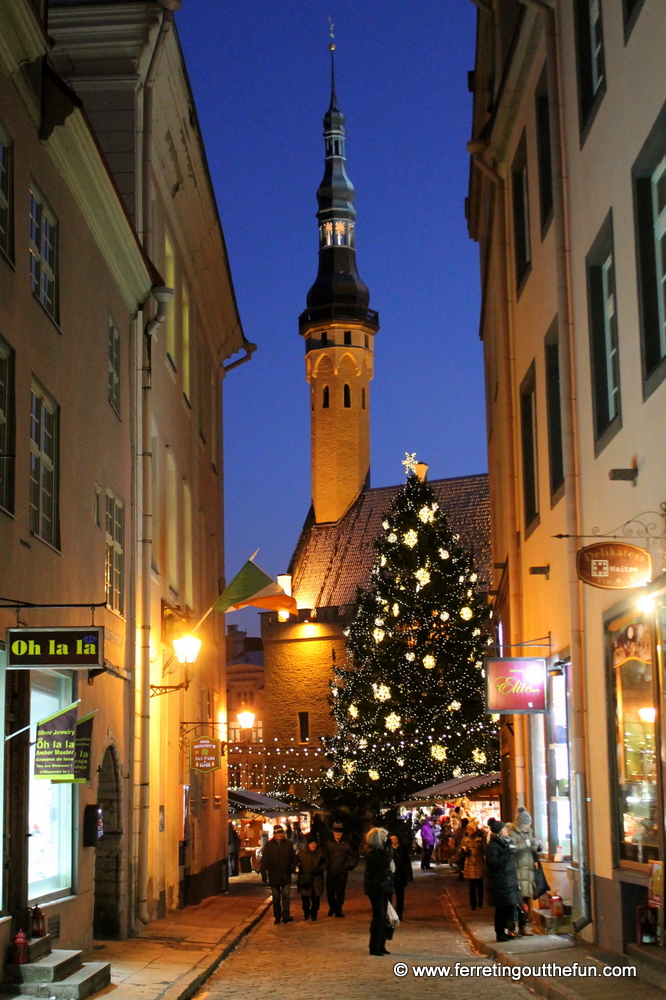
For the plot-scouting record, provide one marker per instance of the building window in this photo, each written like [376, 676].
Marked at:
[97, 506]
[304, 727]
[590, 60]
[170, 321]
[50, 818]
[325, 398]
[367, 340]
[348, 338]
[185, 343]
[605, 362]
[554, 408]
[324, 339]
[115, 559]
[347, 397]
[188, 546]
[631, 654]
[44, 467]
[172, 522]
[7, 435]
[114, 366]
[43, 232]
[521, 213]
[363, 398]
[544, 157]
[6, 195]
[528, 429]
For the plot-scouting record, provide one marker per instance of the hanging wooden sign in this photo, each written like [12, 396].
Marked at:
[205, 754]
[515, 685]
[614, 565]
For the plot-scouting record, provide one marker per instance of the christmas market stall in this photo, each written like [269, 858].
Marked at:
[253, 816]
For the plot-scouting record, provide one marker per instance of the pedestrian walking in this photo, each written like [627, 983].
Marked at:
[460, 854]
[233, 845]
[474, 847]
[428, 842]
[403, 871]
[378, 885]
[501, 879]
[310, 879]
[341, 858]
[278, 861]
[528, 850]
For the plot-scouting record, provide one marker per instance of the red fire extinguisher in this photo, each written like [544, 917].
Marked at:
[20, 947]
[37, 922]
[556, 905]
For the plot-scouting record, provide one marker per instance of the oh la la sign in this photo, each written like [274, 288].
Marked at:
[27, 648]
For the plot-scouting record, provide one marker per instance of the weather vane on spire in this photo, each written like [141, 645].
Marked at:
[410, 463]
[331, 32]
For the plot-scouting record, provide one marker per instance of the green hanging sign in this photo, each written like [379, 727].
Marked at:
[82, 751]
[55, 748]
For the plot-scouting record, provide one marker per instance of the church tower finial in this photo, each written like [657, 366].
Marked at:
[339, 330]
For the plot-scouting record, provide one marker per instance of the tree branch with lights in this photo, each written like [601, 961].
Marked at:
[409, 701]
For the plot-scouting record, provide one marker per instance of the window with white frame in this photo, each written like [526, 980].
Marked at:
[6, 194]
[114, 366]
[589, 60]
[44, 466]
[521, 213]
[114, 568]
[596, 44]
[7, 443]
[43, 232]
[604, 341]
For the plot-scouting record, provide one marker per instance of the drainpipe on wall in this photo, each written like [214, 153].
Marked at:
[506, 364]
[579, 743]
[163, 297]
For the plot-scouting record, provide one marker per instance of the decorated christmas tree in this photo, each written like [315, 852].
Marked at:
[409, 701]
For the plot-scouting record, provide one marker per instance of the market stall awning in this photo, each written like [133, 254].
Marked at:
[254, 801]
[456, 787]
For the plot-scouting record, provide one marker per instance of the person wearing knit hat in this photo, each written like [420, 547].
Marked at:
[278, 861]
[340, 859]
[502, 886]
[310, 880]
[474, 848]
[528, 850]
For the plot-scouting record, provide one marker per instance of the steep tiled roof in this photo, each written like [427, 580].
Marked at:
[333, 560]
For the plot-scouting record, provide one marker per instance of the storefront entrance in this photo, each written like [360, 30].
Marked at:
[107, 922]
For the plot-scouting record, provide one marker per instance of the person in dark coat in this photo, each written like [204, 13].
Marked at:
[310, 881]
[378, 885]
[233, 845]
[340, 859]
[278, 861]
[403, 871]
[502, 881]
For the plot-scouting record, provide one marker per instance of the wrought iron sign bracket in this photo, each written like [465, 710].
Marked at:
[187, 728]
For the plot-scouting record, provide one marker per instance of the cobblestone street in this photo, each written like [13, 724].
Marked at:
[330, 957]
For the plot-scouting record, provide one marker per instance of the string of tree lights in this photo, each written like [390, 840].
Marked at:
[409, 701]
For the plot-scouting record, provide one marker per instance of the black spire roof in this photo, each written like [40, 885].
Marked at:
[338, 290]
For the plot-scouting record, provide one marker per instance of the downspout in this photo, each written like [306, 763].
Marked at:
[579, 743]
[476, 147]
[162, 297]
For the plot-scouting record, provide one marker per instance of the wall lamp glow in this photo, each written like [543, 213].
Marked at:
[645, 604]
[186, 648]
[647, 715]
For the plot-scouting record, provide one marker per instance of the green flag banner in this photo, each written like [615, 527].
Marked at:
[56, 744]
[252, 587]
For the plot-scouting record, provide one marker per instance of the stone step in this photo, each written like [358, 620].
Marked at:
[543, 922]
[54, 967]
[89, 979]
[650, 961]
[39, 947]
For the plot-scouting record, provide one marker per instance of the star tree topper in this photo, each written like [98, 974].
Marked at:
[410, 463]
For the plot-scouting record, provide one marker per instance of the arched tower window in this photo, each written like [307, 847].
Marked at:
[363, 398]
[325, 398]
[347, 396]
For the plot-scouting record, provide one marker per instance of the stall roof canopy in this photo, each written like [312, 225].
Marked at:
[243, 799]
[458, 786]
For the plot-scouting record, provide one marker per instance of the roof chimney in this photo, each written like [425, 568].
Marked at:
[422, 471]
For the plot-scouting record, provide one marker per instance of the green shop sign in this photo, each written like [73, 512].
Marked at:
[55, 747]
[81, 648]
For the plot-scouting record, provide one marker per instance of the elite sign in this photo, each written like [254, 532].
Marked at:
[515, 686]
[81, 648]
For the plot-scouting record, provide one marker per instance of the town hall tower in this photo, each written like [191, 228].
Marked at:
[339, 332]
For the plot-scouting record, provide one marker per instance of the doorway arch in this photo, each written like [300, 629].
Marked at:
[108, 853]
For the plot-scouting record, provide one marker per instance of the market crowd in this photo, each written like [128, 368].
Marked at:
[499, 861]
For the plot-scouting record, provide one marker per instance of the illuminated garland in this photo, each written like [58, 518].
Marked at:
[409, 701]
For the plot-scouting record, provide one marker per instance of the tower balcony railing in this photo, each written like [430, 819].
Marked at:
[338, 310]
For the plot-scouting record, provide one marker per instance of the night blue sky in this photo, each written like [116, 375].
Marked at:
[260, 74]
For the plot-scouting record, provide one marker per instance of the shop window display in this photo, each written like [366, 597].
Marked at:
[50, 803]
[559, 807]
[632, 650]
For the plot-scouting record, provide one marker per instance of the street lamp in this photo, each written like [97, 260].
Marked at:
[186, 648]
[245, 717]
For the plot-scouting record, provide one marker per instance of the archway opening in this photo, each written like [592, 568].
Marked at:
[108, 853]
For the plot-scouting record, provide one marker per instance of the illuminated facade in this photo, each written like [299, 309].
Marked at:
[566, 202]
